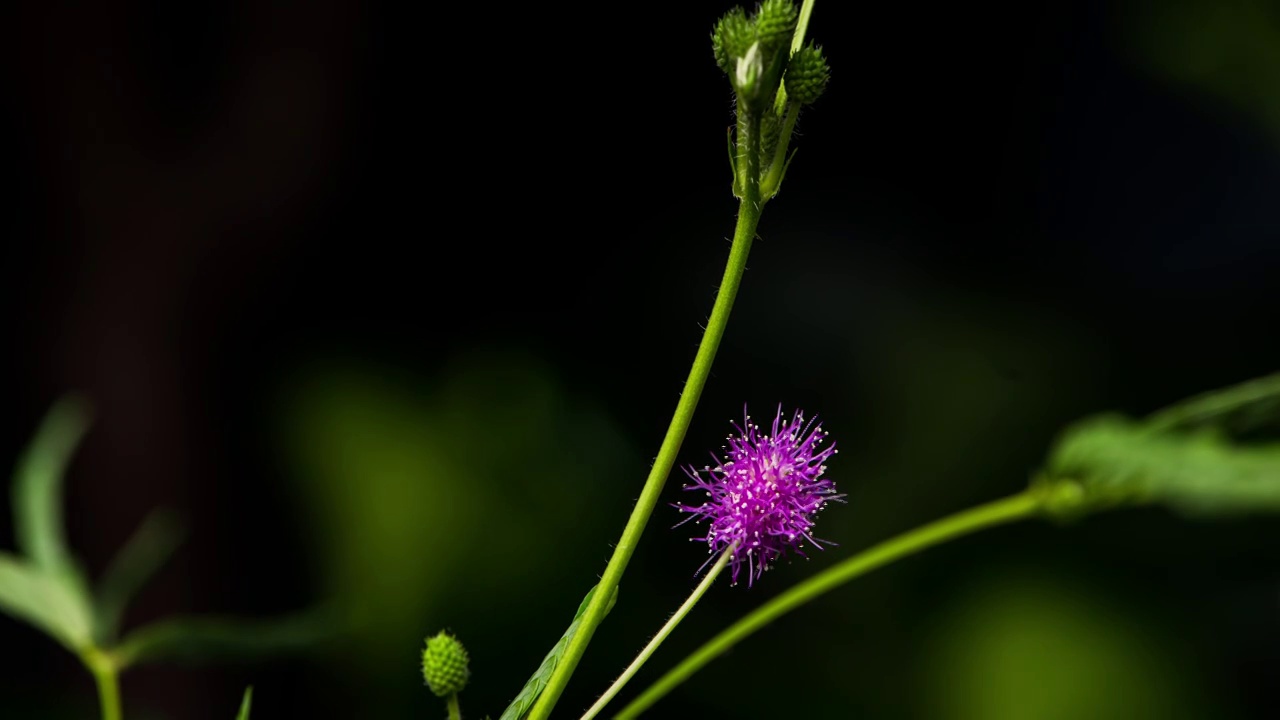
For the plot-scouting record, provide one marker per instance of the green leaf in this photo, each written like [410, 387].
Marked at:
[1115, 460]
[194, 639]
[47, 600]
[37, 485]
[151, 545]
[1237, 409]
[1188, 456]
[245, 704]
[533, 688]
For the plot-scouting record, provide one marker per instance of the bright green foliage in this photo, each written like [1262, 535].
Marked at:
[533, 687]
[807, 75]
[1182, 457]
[445, 664]
[245, 704]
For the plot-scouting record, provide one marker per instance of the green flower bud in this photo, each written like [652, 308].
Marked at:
[807, 75]
[731, 39]
[444, 665]
[775, 24]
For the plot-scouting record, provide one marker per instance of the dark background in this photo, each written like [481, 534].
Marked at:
[392, 304]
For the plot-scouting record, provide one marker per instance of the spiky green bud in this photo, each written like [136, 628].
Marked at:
[775, 24]
[444, 665]
[731, 39]
[807, 75]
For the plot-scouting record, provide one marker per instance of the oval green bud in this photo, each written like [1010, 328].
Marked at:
[807, 75]
[775, 24]
[444, 665]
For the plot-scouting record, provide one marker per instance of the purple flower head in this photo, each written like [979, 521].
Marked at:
[764, 494]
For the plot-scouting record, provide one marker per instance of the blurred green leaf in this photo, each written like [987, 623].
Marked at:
[245, 704]
[1184, 456]
[1115, 460]
[151, 545]
[46, 599]
[1241, 408]
[413, 489]
[533, 688]
[380, 485]
[1024, 644]
[46, 588]
[1229, 51]
[194, 639]
[37, 485]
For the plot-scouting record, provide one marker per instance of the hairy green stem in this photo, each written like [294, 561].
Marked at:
[743, 235]
[995, 513]
[455, 709]
[107, 676]
[670, 625]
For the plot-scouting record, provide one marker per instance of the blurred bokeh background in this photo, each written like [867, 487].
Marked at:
[392, 304]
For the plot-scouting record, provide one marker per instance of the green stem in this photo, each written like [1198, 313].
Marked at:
[661, 636]
[107, 677]
[743, 235]
[963, 523]
[455, 709]
[802, 25]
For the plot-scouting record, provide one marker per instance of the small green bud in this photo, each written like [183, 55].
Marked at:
[807, 75]
[444, 665]
[731, 39]
[775, 24]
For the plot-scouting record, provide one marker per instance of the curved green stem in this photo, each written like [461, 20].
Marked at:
[455, 710]
[670, 625]
[963, 523]
[107, 677]
[743, 234]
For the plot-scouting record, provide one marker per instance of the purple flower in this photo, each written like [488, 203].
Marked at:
[764, 494]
